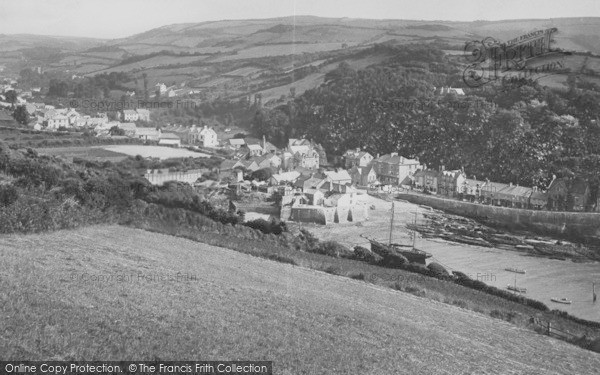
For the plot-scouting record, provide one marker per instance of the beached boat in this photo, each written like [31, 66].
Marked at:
[516, 289]
[561, 300]
[390, 252]
[515, 270]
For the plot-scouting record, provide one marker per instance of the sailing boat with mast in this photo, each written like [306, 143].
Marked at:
[390, 251]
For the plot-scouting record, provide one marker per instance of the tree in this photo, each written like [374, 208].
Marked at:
[262, 174]
[21, 115]
[11, 96]
[115, 130]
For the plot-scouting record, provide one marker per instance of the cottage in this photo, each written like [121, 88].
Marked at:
[236, 143]
[514, 196]
[148, 134]
[357, 158]
[285, 177]
[363, 176]
[341, 177]
[128, 127]
[169, 139]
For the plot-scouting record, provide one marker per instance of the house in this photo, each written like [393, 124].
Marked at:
[514, 196]
[449, 90]
[57, 121]
[208, 137]
[147, 134]
[161, 88]
[252, 149]
[393, 169]
[237, 143]
[268, 161]
[471, 188]
[363, 176]
[249, 165]
[341, 177]
[579, 194]
[160, 176]
[450, 182]
[129, 115]
[143, 114]
[490, 192]
[357, 158]
[298, 145]
[566, 194]
[538, 200]
[427, 180]
[128, 127]
[285, 177]
[169, 139]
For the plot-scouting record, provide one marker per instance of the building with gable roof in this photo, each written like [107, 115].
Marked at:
[393, 169]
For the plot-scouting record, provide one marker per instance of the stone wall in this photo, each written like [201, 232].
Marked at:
[580, 225]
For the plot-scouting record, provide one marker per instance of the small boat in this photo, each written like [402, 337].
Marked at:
[516, 289]
[561, 300]
[515, 270]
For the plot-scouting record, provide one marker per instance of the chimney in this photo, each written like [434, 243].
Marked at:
[510, 184]
[264, 143]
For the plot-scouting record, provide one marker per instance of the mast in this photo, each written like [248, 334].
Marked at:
[415, 230]
[594, 292]
[391, 224]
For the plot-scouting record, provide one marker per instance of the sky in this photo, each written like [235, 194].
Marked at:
[109, 19]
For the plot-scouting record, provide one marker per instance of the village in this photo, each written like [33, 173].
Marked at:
[305, 184]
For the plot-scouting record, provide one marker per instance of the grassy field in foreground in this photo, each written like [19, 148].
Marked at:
[111, 292]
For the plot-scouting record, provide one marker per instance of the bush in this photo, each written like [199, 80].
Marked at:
[359, 276]
[365, 255]
[333, 249]
[8, 195]
[437, 270]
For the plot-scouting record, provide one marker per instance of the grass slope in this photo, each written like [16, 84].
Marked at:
[111, 292]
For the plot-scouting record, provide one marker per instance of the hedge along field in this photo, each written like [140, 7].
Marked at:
[301, 251]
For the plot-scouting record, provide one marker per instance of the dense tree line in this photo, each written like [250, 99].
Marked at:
[510, 131]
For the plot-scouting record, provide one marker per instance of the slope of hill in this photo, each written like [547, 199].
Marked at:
[117, 293]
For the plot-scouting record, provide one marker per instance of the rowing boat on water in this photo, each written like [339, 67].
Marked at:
[515, 270]
[561, 300]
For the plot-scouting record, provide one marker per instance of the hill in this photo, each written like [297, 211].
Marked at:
[208, 56]
[113, 293]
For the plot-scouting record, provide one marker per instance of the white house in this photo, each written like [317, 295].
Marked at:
[58, 121]
[143, 114]
[208, 137]
[130, 115]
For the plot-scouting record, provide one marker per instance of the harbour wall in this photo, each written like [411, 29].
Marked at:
[573, 225]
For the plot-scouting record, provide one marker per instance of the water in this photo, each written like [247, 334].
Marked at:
[545, 278]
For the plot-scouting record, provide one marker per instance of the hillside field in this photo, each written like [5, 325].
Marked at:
[115, 293]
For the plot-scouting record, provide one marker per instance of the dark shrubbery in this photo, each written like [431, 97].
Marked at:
[274, 226]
